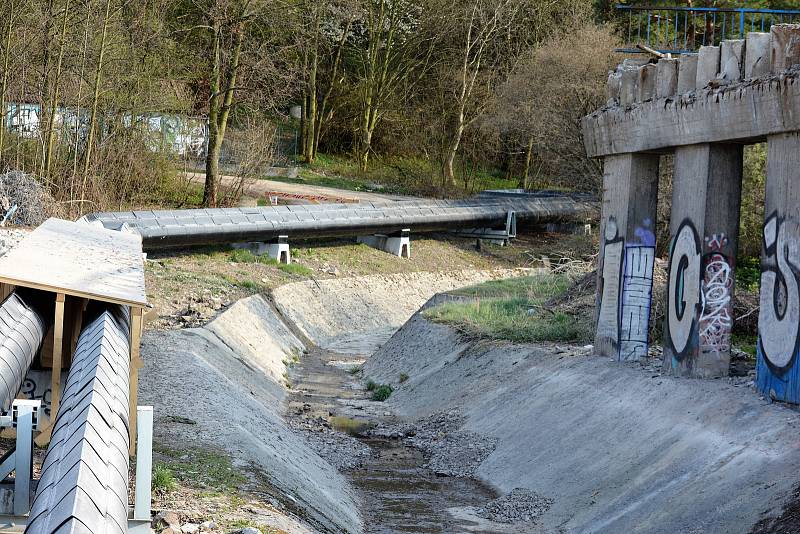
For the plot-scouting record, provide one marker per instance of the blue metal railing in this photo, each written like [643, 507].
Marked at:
[682, 30]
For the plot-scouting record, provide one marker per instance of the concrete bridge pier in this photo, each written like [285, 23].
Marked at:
[779, 314]
[704, 230]
[627, 255]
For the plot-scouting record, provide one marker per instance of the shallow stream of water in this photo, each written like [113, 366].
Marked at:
[398, 493]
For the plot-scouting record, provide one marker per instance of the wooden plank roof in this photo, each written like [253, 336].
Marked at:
[79, 259]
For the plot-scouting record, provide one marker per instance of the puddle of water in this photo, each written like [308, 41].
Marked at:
[401, 496]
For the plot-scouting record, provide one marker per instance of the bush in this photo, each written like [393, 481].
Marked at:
[382, 392]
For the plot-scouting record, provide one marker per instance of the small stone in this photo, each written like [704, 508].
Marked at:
[207, 526]
[166, 519]
[170, 530]
[190, 528]
[249, 530]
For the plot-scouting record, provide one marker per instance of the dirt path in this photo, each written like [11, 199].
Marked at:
[330, 407]
[262, 188]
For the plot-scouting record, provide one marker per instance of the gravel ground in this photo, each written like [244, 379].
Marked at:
[449, 451]
[519, 504]
[337, 448]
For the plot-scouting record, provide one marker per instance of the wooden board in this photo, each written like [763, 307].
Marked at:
[80, 260]
[745, 112]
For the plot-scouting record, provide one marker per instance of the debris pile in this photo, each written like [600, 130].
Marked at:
[10, 238]
[519, 505]
[34, 203]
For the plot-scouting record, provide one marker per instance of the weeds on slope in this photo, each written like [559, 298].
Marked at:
[513, 310]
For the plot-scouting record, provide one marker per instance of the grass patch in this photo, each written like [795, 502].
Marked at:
[202, 469]
[163, 479]
[243, 255]
[513, 310]
[538, 288]
[354, 427]
[397, 175]
[382, 392]
[403, 377]
[371, 385]
[746, 343]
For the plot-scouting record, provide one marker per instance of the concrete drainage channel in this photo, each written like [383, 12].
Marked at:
[477, 437]
[230, 379]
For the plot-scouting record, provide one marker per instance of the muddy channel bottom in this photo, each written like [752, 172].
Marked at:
[397, 493]
[400, 495]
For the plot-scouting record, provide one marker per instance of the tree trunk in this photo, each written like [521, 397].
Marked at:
[51, 119]
[452, 150]
[214, 144]
[98, 76]
[220, 113]
[526, 172]
[4, 88]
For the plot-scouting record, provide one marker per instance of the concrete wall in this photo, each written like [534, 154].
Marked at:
[618, 447]
[227, 379]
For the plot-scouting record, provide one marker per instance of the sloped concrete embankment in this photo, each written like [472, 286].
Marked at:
[618, 448]
[356, 315]
[228, 377]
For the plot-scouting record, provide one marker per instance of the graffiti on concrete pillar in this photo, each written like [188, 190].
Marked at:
[716, 316]
[608, 317]
[779, 315]
[636, 294]
[683, 291]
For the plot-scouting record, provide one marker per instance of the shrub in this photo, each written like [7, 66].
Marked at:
[382, 392]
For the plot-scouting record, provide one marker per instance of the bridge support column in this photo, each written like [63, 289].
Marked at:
[778, 370]
[627, 255]
[704, 230]
[397, 243]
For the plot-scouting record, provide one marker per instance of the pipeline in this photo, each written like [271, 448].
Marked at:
[25, 317]
[84, 481]
[171, 228]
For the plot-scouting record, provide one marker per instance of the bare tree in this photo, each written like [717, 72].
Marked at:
[550, 89]
[480, 23]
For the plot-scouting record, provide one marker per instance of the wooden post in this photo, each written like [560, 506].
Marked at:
[756, 55]
[778, 369]
[784, 46]
[687, 73]
[646, 84]
[627, 253]
[704, 224]
[136, 364]
[732, 59]
[707, 65]
[666, 77]
[58, 342]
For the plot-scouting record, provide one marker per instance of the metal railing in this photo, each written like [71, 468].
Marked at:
[682, 30]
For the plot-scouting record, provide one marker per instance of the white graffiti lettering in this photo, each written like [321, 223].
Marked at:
[636, 293]
[779, 316]
[608, 316]
[683, 297]
[716, 318]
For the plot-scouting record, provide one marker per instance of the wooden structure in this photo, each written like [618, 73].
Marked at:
[79, 263]
[725, 97]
